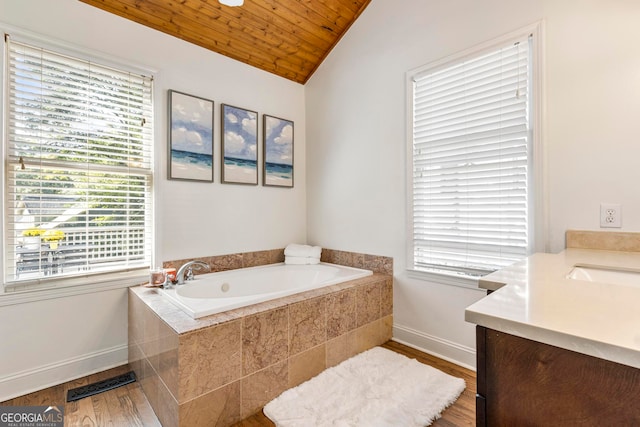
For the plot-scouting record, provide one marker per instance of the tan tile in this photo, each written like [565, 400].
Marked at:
[216, 263]
[369, 336]
[350, 259]
[341, 312]
[209, 358]
[307, 365]
[254, 259]
[225, 262]
[367, 303]
[220, 407]
[378, 264]
[386, 297]
[341, 348]
[136, 359]
[604, 240]
[149, 381]
[339, 257]
[150, 344]
[145, 369]
[233, 261]
[265, 339]
[261, 387]
[258, 308]
[166, 408]
[180, 262]
[358, 260]
[168, 358]
[307, 325]
[173, 263]
[327, 255]
[277, 255]
[386, 328]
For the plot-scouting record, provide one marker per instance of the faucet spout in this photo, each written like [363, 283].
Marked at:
[185, 272]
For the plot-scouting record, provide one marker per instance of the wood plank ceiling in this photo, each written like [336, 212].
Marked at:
[289, 38]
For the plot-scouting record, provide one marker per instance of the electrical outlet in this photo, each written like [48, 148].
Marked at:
[610, 215]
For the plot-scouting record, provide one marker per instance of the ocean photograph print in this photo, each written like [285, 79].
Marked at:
[278, 152]
[190, 137]
[239, 145]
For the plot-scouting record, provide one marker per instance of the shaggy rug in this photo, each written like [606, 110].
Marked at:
[374, 389]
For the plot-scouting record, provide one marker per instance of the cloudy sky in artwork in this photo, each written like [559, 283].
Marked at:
[279, 140]
[240, 133]
[191, 124]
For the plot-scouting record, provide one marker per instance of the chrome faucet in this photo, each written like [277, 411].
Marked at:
[185, 272]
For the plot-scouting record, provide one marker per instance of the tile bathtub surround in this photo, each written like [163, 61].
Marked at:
[233, 261]
[222, 368]
[264, 339]
[375, 263]
[604, 240]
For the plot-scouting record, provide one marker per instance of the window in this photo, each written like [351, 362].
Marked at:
[471, 149]
[78, 162]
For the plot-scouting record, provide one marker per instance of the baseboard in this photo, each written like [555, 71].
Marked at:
[46, 376]
[436, 346]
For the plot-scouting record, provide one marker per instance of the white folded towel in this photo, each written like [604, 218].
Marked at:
[301, 260]
[308, 251]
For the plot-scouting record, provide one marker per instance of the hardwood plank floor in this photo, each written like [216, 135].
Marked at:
[461, 413]
[123, 406]
[128, 406]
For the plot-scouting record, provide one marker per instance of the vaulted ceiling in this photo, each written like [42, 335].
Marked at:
[289, 38]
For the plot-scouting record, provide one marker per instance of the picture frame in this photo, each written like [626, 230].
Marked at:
[190, 135]
[277, 167]
[239, 146]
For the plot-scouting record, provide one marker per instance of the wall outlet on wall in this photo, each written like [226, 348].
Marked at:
[610, 215]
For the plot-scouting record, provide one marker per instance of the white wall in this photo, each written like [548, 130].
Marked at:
[355, 106]
[50, 341]
[593, 111]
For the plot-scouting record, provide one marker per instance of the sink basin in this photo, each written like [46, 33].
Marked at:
[605, 275]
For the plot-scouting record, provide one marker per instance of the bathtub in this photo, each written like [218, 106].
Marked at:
[217, 292]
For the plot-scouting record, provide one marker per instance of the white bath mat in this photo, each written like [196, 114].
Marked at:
[377, 388]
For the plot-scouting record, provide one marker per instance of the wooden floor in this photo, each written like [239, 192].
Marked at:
[123, 406]
[128, 406]
[461, 413]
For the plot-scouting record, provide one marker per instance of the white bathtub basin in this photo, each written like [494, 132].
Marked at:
[217, 292]
[605, 275]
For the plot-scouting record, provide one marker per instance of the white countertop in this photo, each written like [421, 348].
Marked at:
[534, 299]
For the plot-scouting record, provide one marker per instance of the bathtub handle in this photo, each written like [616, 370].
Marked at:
[188, 275]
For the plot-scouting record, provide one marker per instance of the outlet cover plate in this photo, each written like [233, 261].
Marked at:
[610, 215]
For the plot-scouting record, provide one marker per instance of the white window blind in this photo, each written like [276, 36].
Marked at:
[78, 153]
[471, 154]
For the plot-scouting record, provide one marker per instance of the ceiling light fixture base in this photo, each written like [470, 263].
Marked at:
[232, 3]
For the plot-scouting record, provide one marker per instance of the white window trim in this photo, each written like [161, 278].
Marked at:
[538, 207]
[87, 283]
[75, 286]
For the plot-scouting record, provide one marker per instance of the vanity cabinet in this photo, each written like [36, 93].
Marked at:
[521, 382]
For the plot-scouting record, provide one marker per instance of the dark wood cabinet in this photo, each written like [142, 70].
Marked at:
[521, 382]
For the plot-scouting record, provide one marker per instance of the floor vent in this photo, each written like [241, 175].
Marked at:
[100, 386]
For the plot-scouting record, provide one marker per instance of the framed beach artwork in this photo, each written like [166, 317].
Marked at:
[190, 137]
[239, 145]
[278, 152]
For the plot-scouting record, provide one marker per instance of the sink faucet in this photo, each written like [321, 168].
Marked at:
[186, 271]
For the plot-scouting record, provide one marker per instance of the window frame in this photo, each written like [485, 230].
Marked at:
[12, 292]
[537, 209]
